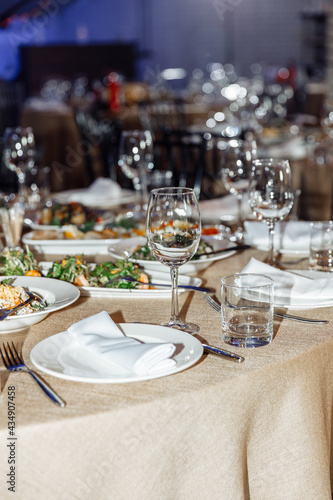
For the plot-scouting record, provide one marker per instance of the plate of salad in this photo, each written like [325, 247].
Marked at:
[137, 251]
[91, 278]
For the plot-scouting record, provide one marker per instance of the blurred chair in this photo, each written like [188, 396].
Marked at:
[186, 154]
[163, 115]
[100, 141]
[12, 97]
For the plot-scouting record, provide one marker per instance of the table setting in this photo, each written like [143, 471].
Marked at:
[140, 361]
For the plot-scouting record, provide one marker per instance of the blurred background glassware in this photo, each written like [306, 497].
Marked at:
[321, 246]
[37, 187]
[173, 232]
[136, 162]
[271, 195]
[11, 218]
[19, 154]
[247, 310]
[236, 169]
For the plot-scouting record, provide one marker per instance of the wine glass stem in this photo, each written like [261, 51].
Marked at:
[175, 318]
[240, 214]
[144, 190]
[271, 254]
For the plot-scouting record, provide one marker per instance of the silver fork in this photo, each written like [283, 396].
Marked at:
[217, 307]
[14, 362]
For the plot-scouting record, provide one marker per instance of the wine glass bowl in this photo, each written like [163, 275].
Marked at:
[136, 159]
[236, 169]
[271, 195]
[173, 234]
[19, 154]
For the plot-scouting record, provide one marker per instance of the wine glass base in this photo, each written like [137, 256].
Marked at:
[190, 328]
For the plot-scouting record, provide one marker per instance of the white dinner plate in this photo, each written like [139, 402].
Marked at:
[155, 277]
[126, 196]
[80, 366]
[117, 249]
[57, 294]
[68, 247]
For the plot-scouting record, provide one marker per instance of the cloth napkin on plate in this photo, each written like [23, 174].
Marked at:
[221, 207]
[291, 286]
[102, 189]
[291, 235]
[101, 336]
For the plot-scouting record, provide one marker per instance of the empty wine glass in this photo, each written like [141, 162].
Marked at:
[136, 160]
[236, 169]
[173, 233]
[271, 195]
[19, 154]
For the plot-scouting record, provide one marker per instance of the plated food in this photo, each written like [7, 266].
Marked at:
[56, 294]
[129, 248]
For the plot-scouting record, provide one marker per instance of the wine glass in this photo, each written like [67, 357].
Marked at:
[19, 155]
[236, 169]
[136, 160]
[271, 195]
[173, 233]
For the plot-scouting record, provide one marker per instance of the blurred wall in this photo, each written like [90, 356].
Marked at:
[178, 33]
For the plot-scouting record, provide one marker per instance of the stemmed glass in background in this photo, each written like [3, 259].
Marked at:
[236, 169]
[19, 155]
[173, 233]
[271, 195]
[136, 161]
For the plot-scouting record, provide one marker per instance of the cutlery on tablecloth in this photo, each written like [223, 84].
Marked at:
[14, 362]
[133, 280]
[217, 307]
[221, 352]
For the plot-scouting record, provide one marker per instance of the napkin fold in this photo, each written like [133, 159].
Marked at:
[102, 189]
[225, 206]
[99, 335]
[293, 287]
[291, 235]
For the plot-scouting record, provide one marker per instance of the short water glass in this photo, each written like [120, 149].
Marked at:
[321, 246]
[247, 310]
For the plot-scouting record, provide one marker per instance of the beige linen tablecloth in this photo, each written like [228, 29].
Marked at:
[219, 430]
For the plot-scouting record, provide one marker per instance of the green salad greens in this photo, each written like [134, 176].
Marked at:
[75, 270]
[16, 262]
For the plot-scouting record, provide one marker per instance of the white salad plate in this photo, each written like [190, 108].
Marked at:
[68, 246]
[155, 277]
[118, 249]
[78, 195]
[64, 358]
[57, 295]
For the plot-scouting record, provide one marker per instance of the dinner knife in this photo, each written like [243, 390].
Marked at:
[222, 250]
[221, 352]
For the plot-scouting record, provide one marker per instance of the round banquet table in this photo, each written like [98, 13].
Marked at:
[218, 430]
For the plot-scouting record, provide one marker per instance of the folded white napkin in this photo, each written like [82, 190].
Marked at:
[100, 336]
[226, 205]
[294, 288]
[291, 235]
[102, 189]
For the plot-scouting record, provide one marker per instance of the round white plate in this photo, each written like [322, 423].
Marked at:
[68, 247]
[57, 294]
[127, 196]
[117, 249]
[81, 368]
[156, 277]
